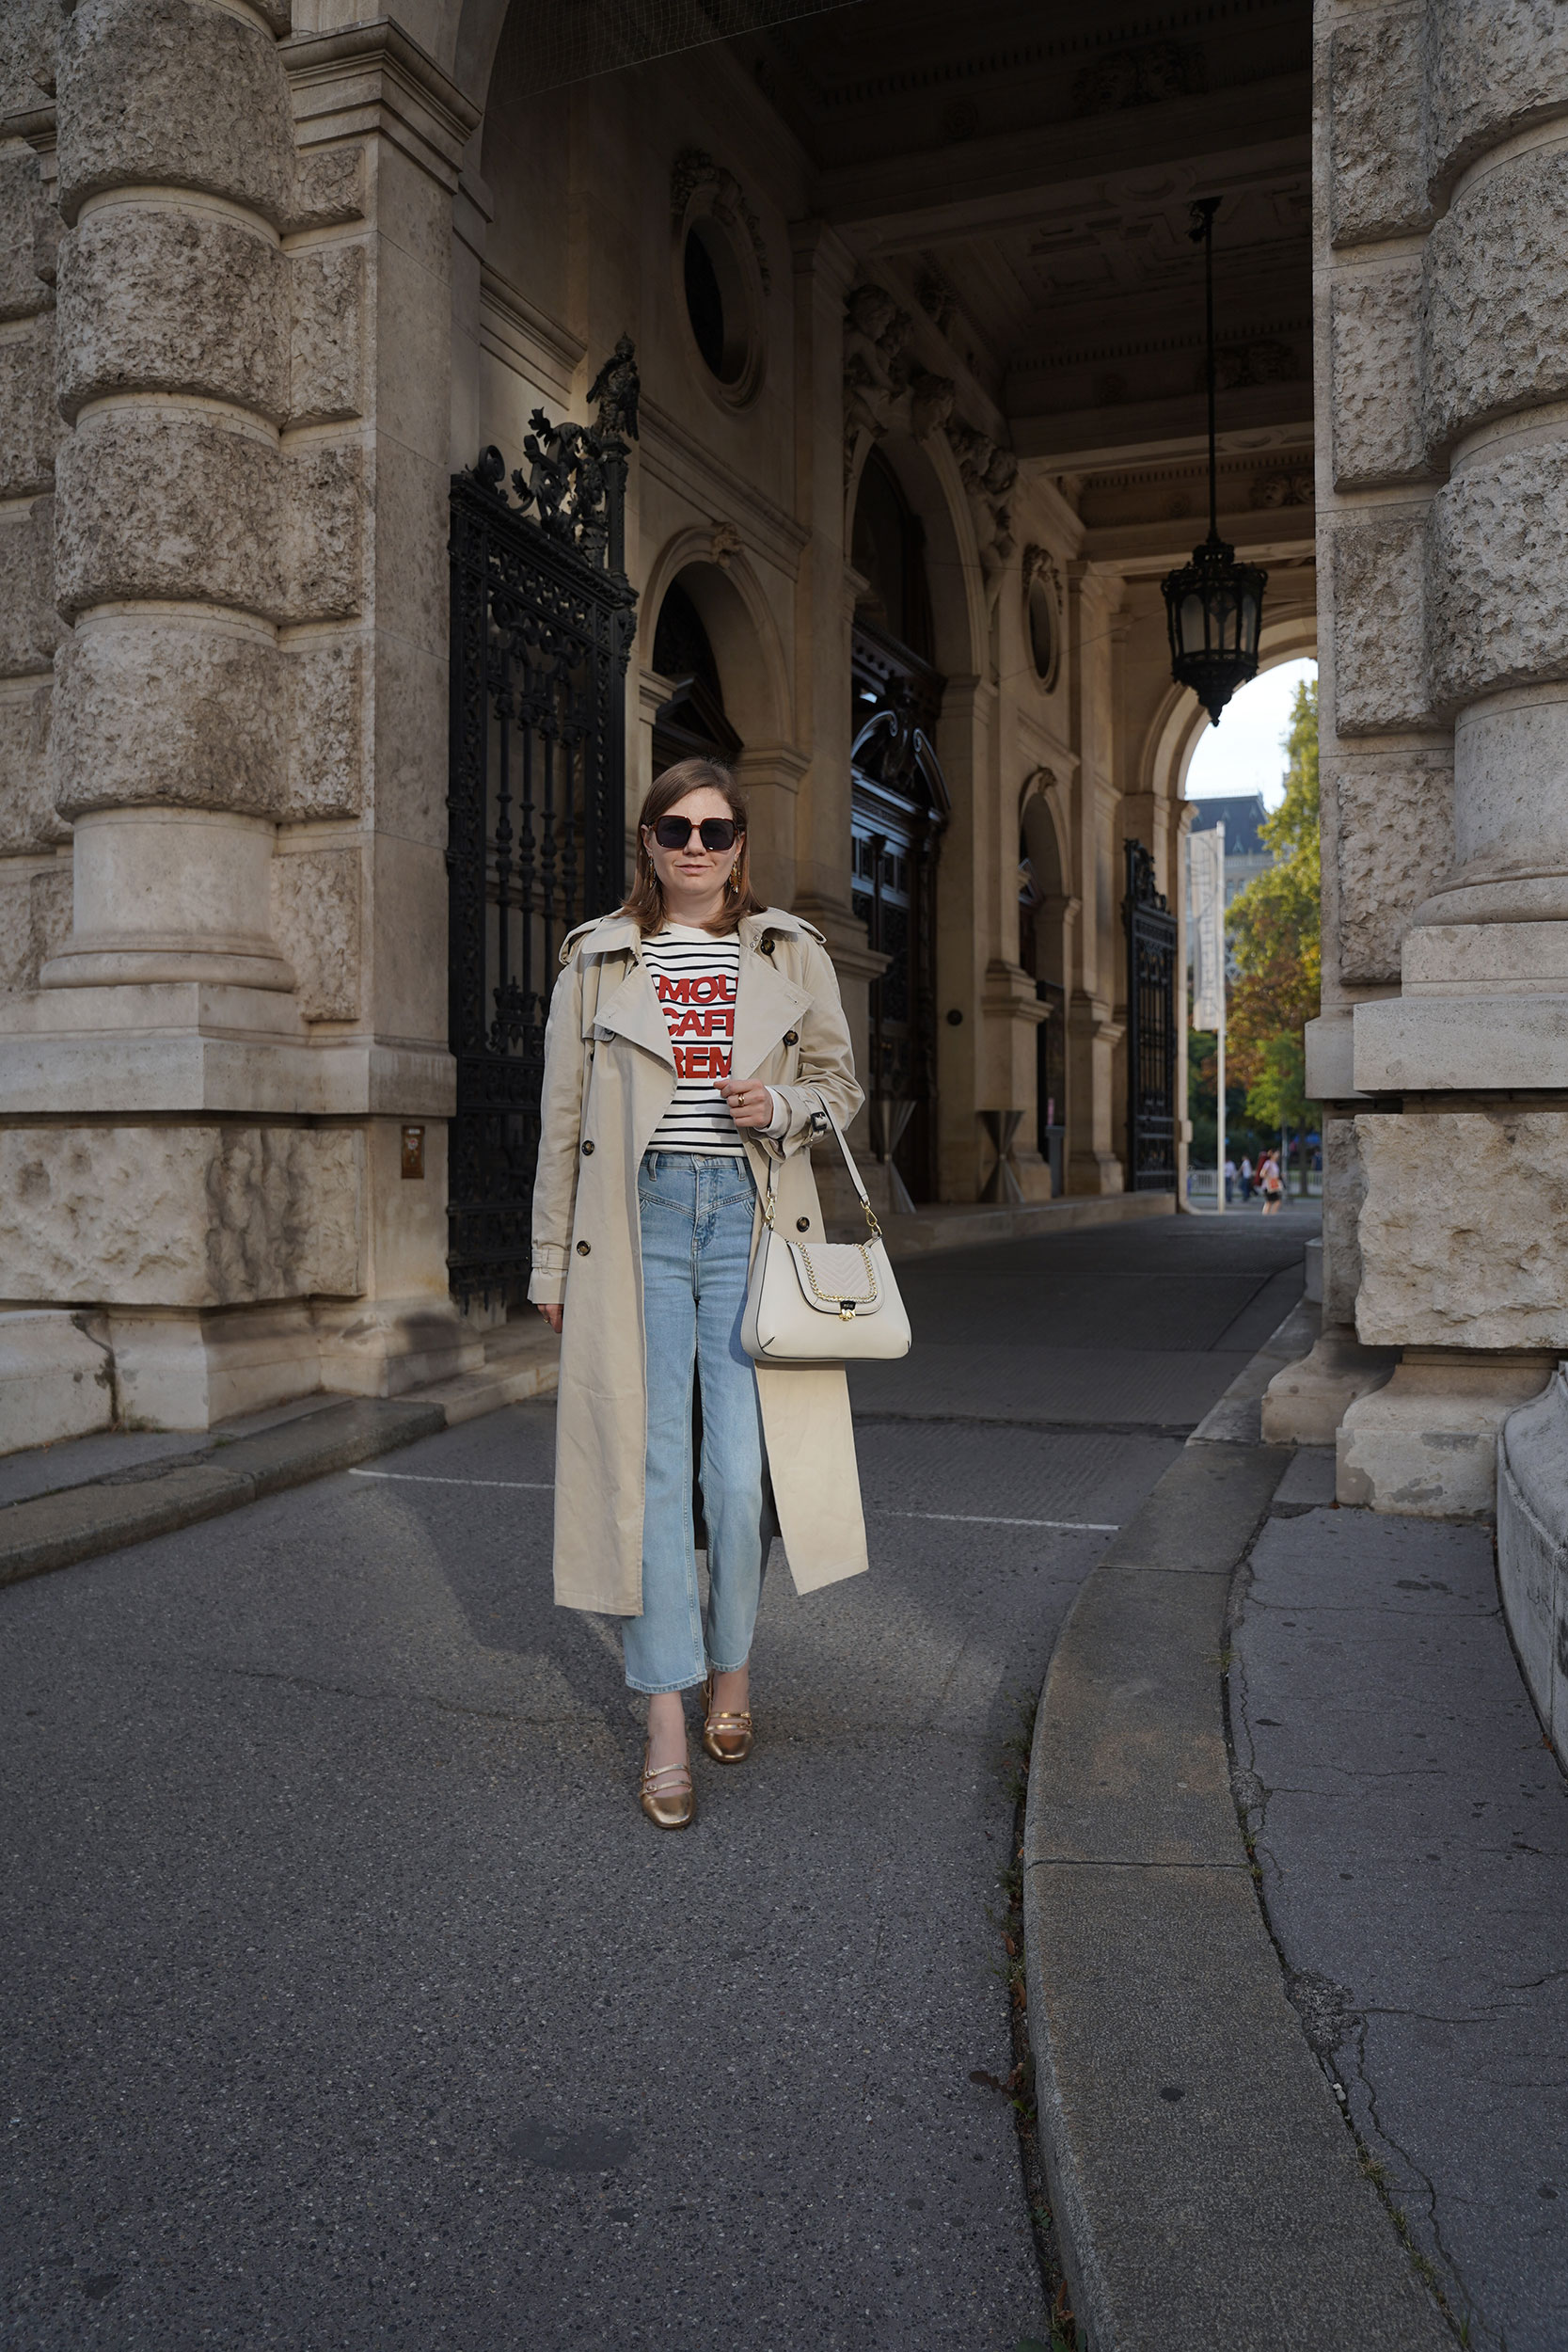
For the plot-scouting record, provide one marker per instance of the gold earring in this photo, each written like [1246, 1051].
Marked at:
[733, 871]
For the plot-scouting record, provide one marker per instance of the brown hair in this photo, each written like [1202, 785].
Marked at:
[644, 901]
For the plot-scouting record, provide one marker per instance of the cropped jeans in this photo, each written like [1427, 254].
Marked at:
[695, 1214]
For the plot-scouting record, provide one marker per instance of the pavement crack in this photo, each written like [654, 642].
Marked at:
[1387, 2139]
[1429, 2017]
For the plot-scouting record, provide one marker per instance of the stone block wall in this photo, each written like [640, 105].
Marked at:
[35, 875]
[1441, 273]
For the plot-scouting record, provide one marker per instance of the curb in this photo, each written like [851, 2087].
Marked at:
[1205, 2189]
[73, 1523]
[54, 1531]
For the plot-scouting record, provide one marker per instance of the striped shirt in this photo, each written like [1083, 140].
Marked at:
[695, 978]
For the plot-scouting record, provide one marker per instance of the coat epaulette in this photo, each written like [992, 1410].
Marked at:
[581, 931]
[798, 923]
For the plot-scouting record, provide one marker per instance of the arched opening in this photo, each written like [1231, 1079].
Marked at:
[887, 549]
[899, 804]
[692, 722]
[1243, 751]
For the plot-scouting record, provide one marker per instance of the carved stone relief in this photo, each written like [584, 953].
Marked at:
[694, 168]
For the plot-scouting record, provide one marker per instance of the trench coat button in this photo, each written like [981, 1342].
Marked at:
[767, 946]
[582, 1249]
[586, 1149]
[792, 1037]
[803, 1225]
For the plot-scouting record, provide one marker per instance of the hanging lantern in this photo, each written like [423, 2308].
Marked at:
[1214, 604]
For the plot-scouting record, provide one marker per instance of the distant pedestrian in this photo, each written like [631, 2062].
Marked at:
[1246, 1178]
[646, 1208]
[1229, 1179]
[1274, 1188]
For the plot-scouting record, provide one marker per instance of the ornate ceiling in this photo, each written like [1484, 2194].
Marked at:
[1025, 172]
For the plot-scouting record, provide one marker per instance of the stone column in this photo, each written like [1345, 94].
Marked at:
[199, 1102]
[1440, 281]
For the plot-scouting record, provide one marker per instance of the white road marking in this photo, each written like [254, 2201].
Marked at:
[420, 1478]
[952, 1518]
[970, 1519]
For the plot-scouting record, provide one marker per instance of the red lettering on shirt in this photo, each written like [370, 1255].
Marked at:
[706, 989]
[718, 1022]
[701, 1061]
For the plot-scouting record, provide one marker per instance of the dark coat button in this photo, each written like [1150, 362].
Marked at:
[792, 1037]
[586, 1149]
[767, 946]
[582, 1250]
[803, 1225]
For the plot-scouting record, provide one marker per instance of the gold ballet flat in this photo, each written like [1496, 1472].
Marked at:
[727, 1738]
[665, 1806]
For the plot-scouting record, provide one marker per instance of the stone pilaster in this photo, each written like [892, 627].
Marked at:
[1443, 132]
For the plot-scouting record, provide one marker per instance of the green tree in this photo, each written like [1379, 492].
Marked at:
[1277, 1096]
[1274, 928]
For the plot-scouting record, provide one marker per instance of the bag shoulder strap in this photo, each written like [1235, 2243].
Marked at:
[848, 1162]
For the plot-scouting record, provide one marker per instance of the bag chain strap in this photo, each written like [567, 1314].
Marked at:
[854, 1174]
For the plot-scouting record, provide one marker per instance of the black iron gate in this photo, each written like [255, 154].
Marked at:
[541, 630]
[899, 807]
[1151, 1107]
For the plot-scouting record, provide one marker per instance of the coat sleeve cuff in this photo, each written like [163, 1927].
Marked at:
[548, 1282]
[804, 1123]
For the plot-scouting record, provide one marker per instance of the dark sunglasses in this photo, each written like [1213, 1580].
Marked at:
[674, 832]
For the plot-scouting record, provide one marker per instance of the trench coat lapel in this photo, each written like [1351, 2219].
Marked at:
[766, 1005]
[633, 1011]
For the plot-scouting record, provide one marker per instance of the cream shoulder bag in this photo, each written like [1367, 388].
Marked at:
[820, 1302]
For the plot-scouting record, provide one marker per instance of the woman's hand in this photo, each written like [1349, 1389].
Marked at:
[552, 1317]
[750, 1102]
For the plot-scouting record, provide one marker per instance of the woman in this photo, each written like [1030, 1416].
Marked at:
[690, 1036]
[1274, 1190]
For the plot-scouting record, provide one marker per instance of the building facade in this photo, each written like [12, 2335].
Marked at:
[918, 331]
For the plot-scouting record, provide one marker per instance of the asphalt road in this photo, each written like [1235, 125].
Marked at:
[348, 2000]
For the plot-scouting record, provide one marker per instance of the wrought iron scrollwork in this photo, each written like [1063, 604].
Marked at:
[1151, 1041]
[541, 631]
[576, 482]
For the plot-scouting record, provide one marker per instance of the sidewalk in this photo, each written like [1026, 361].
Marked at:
[1412, 1829]
[1297, 1859]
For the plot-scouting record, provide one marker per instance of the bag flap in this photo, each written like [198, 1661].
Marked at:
[833, 1275]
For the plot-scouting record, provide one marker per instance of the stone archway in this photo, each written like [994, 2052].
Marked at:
[751, 682]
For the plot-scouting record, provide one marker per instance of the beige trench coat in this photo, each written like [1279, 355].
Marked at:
[609, 1075]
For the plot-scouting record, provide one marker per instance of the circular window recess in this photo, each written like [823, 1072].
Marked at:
[721, 309]
[1044, 634]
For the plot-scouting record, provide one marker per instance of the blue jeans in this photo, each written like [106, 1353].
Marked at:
[695, 1214]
